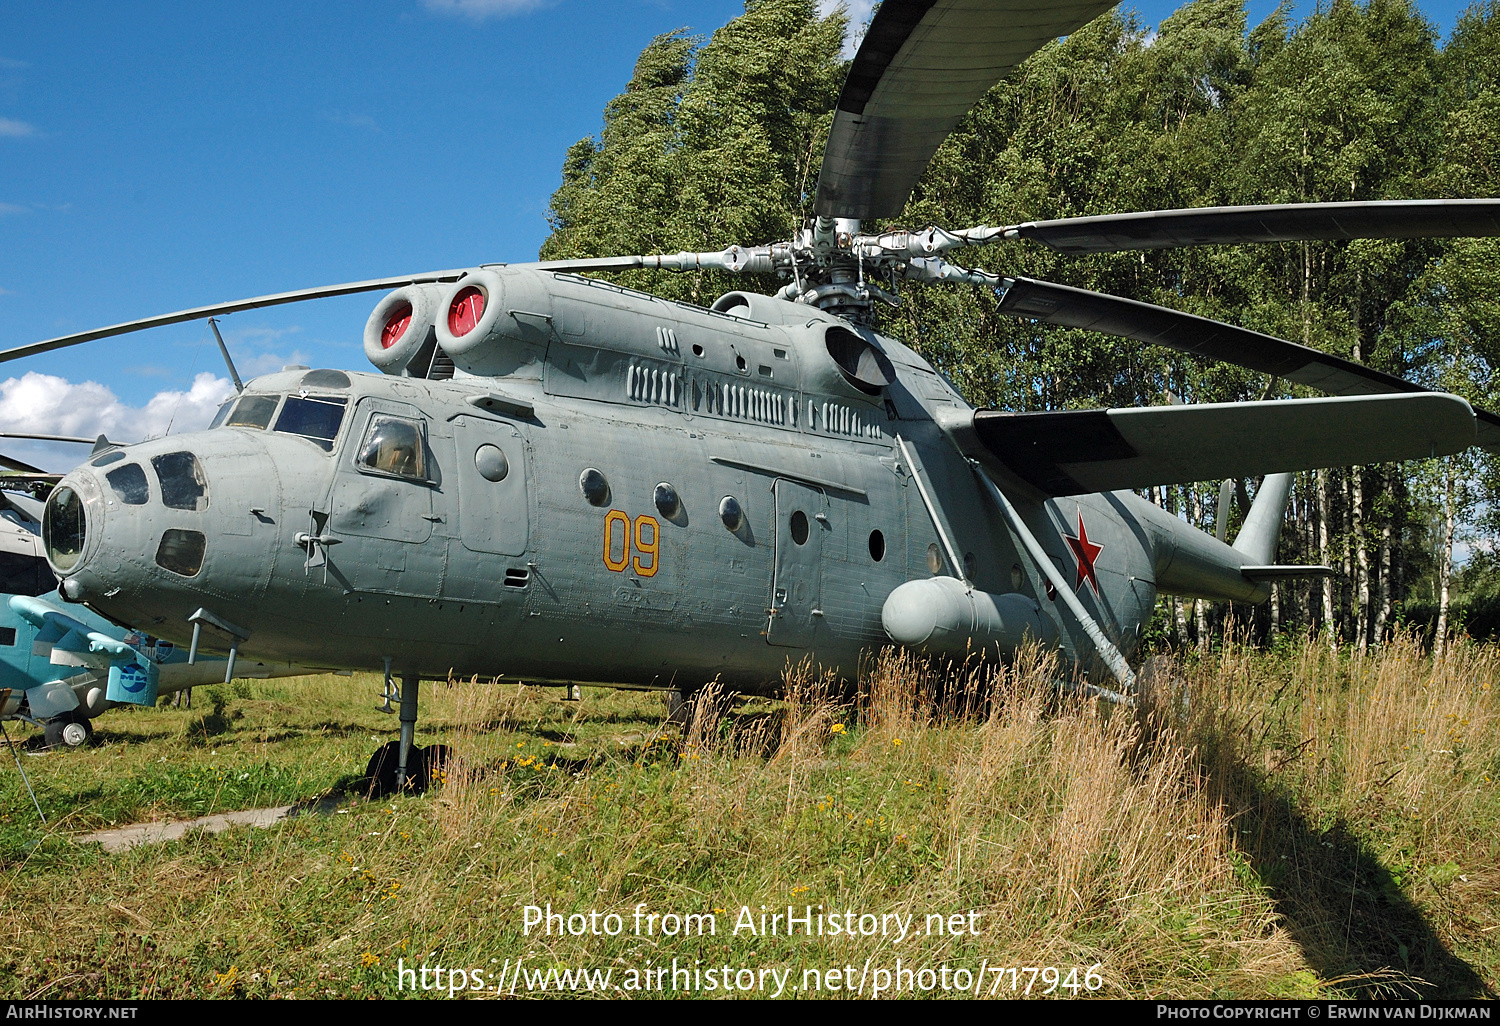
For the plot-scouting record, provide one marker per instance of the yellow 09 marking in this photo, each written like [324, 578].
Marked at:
[615, 516]
[643, 548]
[649, 547]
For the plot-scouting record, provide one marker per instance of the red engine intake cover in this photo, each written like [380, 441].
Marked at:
[465, 311]
[395, 326]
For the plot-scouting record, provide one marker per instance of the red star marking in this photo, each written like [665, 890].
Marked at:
[1085, 552]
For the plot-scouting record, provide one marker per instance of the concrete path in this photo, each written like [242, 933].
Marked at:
[124, 838]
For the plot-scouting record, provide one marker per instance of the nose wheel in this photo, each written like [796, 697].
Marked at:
[70, 730]
[401, 765]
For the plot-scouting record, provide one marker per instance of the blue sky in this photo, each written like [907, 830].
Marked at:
[166, 155]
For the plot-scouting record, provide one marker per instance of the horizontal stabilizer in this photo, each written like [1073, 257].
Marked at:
[1284, 573]
[1071, 452]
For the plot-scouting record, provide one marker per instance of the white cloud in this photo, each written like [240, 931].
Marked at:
[11, 208]
[11, 127]
[859, 12]
[269, 363]
[479, 10]
[250, 345]
[50, 405]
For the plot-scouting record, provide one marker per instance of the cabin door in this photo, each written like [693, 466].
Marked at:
[387, 494]
[796, 613]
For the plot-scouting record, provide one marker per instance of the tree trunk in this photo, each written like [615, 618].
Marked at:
[1361, 559]
[1445, 561]
[1179, 615]
[1329, 629]
[1383, 612]
[1200, 608]
[1346, 593]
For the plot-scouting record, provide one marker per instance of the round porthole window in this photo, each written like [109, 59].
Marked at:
[668, 502]
[594, 486]
[934, 558]
[877, 546]
[731, 513]
[491, 463]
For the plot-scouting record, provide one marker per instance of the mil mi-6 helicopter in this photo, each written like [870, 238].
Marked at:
[556, 479]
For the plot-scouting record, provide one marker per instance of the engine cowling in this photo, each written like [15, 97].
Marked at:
[401, 334]
[496, 322]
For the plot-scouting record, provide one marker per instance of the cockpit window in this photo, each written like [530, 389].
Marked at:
[253, 411]
[129, 484]
[314, 417]
[183, 485]
[224, 409]
[393, 445]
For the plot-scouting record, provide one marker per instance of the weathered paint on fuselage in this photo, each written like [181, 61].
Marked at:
[524, 578]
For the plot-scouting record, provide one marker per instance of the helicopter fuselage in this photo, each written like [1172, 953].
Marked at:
[609, 488]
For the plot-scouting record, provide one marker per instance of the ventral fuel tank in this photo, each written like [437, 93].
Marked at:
[943, 616]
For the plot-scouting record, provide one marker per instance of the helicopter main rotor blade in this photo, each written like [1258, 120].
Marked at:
[1287, 222]
[14, 464]
[1213, 340]
[921, 66]
[76, 439]
[255, 303]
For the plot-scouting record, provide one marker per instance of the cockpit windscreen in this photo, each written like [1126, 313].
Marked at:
[253, 411]
[314, 417]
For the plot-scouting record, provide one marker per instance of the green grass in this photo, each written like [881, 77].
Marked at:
[1293, 824]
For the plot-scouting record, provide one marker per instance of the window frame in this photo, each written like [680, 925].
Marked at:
[341, 401]
[424, 454]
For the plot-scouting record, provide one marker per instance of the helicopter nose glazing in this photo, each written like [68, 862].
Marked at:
[119, 510]
[65, 526]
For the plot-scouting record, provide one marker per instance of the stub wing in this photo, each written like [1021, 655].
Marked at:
[1073, 452]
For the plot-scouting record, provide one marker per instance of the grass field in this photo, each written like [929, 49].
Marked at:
[1295, 823]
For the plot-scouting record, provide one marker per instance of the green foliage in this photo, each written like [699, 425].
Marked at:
[711, 144]
[717, 143]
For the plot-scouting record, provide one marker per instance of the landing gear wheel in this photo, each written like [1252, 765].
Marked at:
[380, 772]
[428, 767]
[69, 730]
[424, 768]
[680, 707]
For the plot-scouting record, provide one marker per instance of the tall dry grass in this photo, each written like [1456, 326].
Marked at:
[1299, 823]
[927, 790]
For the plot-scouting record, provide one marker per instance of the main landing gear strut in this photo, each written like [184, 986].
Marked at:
[401, 765]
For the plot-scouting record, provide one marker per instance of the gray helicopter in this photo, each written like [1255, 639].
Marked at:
[558, 480]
